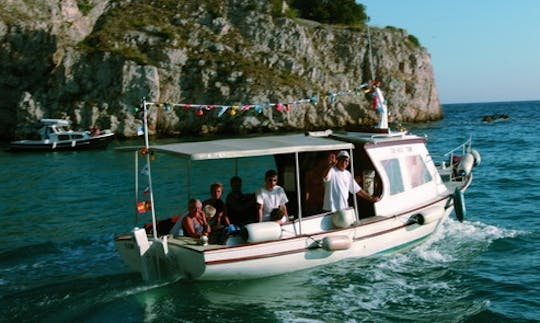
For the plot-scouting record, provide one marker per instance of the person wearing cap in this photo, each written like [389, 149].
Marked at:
[338, 182]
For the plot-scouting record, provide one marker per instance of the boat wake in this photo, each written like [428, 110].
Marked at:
[455, 240]
[393, 286]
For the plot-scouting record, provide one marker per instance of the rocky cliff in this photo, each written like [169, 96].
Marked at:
[93, 60]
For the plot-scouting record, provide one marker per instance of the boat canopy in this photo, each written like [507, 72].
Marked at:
[52, 122]
[251, 147]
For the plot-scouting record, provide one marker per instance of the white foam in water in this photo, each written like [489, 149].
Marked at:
[454, 238]
[434, 256]
[412, 276]
[477, 231]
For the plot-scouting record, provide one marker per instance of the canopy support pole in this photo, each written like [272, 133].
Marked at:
[298, 193]
[354, 179]
[136, 174]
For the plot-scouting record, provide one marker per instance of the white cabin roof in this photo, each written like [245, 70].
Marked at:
[370, 137]
[58, 122]
[250, 147]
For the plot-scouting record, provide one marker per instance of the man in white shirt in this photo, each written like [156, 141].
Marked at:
[338, 182]
[270, 196]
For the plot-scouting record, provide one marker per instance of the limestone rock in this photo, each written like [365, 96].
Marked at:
[93, 62]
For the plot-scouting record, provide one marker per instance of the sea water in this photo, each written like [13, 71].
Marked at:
[61, 210]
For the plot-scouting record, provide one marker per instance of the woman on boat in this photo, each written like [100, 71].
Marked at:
[194, 224]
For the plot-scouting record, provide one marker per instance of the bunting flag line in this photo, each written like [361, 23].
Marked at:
[146, 191]
[145, 170]
[140, 131]
[233, 110]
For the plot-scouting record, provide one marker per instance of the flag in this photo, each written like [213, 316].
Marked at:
[145, 170]
[143, 206]
[146, 190]
[140, 131]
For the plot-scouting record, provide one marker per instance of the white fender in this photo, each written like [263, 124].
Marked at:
[459, 205]
[332, 243]
[263, 231]
[477, 157]
[466, 163]
[344, 218]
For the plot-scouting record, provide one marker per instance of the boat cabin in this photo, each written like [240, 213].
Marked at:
[57, 130]
[399, 168]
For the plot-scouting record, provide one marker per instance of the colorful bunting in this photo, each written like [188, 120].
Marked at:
[233, 110]
[146, 191]
[145, 170]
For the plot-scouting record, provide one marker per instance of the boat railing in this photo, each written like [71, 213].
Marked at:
[453, 157]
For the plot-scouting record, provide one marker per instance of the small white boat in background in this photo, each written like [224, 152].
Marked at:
[55, 134]
[415, 194]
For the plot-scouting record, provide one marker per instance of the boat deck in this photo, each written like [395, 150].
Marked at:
[195, 244]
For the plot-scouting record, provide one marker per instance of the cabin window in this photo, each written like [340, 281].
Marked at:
[417, 170]
[63, 137]
[391, 167]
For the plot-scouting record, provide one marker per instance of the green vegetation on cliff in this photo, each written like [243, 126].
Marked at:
[344, 12]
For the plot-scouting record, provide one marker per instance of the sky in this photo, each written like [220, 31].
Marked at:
[481, 50]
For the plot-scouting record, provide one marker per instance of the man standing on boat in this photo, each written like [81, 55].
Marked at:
[338, 182]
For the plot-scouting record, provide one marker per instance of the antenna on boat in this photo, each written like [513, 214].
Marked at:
[378, 100]
[372, 73]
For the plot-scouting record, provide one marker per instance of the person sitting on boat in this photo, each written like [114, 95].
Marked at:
[270, 197]
[239, 207]
[220, 219]
[338, 182]
[95, 131]
[278, 216]
[217, 234]
[194, 223]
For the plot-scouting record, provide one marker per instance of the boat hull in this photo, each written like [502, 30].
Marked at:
[185, 258]
[97, 142]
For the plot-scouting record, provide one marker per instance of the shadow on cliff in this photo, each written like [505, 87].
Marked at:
[26, 62]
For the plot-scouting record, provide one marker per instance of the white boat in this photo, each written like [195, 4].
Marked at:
[55, 134]
[416, 195]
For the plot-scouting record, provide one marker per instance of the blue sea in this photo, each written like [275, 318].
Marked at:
[61, 210]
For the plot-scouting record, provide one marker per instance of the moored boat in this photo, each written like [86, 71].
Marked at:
[55, 135]
[414, 196]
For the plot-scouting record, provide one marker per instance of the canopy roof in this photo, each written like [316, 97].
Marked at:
[58, 122]
[250, 147]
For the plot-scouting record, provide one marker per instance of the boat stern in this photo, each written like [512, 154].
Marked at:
[162, 258]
